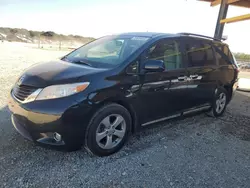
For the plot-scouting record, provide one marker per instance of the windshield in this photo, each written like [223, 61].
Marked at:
[106, 52]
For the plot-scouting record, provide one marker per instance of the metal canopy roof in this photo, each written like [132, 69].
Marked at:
[241, 3]
[222, 17]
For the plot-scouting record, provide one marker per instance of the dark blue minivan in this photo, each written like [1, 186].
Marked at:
[101, 92]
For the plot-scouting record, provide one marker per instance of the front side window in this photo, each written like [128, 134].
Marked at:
[167, 51]
[133, 67]
[106, 52]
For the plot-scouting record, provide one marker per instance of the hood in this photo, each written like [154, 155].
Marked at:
[55, 72]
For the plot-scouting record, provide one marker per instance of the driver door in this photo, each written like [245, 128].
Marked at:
[163, 93]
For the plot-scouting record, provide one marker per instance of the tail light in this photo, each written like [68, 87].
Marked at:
[237, 70]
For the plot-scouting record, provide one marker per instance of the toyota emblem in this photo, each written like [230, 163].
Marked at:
[20, 80]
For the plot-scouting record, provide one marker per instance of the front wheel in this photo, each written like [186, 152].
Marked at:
[108, 130]
[219, 103]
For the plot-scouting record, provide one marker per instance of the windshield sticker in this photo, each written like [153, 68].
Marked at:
[140, 38]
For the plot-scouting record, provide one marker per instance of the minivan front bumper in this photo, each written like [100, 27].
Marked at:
[41, 136]
[40, 121]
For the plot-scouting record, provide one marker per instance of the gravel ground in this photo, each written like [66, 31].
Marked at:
[197, 151]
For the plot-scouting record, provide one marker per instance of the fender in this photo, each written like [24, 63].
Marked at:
[101, 98]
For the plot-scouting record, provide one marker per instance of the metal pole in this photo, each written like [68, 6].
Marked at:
[222, 15]
[60, 42]
[39, 41]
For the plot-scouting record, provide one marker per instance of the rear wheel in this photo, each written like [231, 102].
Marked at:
[219, 103]
[108, 130]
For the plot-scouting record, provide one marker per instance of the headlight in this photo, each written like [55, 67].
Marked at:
[58, 91]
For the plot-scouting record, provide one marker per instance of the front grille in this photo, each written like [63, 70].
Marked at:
[21, 92]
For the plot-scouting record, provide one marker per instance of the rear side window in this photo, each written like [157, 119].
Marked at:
[195, 54]
[210, 59]
[223, 54]
[226, 50]
[199, 54]
[231, 58]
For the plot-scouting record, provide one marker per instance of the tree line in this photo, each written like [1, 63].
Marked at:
[242, 56]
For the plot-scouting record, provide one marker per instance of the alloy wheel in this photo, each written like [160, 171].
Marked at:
[221, 103]
[110, 131]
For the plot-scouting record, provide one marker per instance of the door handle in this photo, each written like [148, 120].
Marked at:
[194, 76]
[182, 78]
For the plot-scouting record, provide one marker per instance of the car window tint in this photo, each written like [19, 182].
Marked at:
[110, 48]
[231, 58]
[133, 68]
[221, 60]
[222, 54]
[196, 54]
[226, 50]
[209, 59]
[168, 52]
[229, 54]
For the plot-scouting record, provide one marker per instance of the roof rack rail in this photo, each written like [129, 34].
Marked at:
[202, 36]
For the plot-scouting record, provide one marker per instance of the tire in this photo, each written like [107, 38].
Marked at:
[220, 99]
[101, 133]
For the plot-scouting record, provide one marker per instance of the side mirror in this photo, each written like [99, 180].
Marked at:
[154, 66]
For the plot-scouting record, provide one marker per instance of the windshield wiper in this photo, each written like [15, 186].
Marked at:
[81, 62]
[65, 59]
